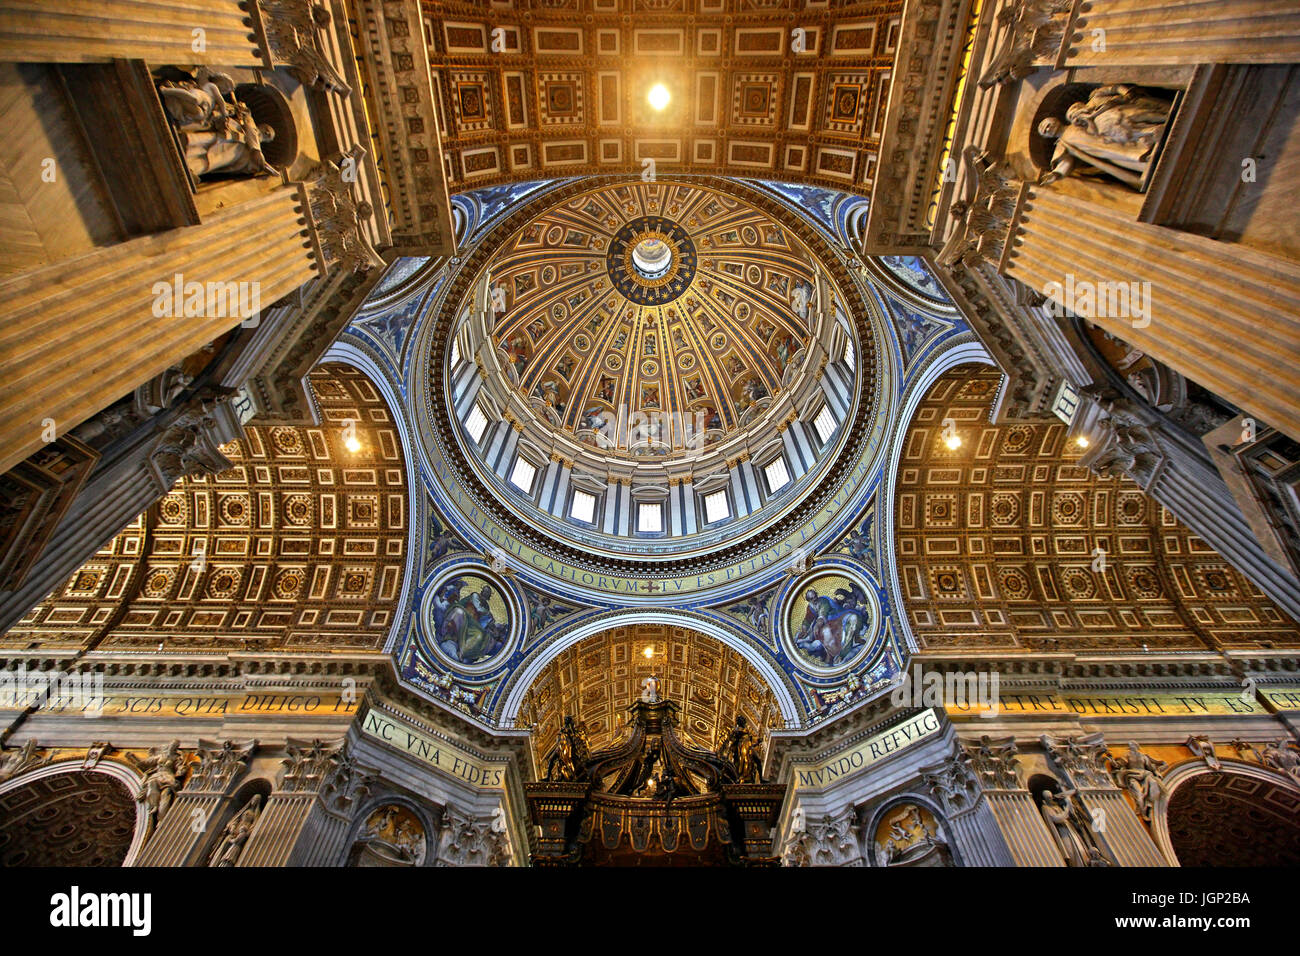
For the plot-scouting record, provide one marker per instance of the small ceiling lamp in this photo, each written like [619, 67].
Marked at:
[352, 443]
[659, 97]
[952, 441]
[649, 652]
[1081, 441]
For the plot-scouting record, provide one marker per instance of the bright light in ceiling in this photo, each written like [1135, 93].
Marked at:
[649, 652]
[953, 441]
[659, 97]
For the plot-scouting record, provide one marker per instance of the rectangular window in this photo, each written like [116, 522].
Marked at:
[777, 475]
[650, 517]
[849, 356]
[825, 424]
[476, 424]
[455, 352]
[521, 476]
[583, 507]
[716, 507]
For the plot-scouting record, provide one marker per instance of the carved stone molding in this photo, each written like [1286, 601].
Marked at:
[929, 51]
[1033, 33]
[994, 762]
[986, 215]
[468, 840]
[308, 765]
[831, 841]
[292, 40]
[188, 446]
[219, 765]
[1124, 446]
[1084, 759]
[953, 783]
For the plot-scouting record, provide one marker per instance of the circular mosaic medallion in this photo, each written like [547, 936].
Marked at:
[651, 260]
[830, 620]
[470, 618]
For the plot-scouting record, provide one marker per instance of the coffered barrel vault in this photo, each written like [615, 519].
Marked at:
[301, 543]
[770, 89]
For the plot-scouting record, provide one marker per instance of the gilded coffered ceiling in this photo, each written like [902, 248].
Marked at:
[594, 332]
[766, 88]
[998, 545]
[596, 679]
[301, 545]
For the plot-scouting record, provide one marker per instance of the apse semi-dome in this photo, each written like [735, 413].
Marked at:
[637, 371]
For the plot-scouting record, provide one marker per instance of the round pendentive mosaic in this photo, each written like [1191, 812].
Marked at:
[469, 618]
[831, 619]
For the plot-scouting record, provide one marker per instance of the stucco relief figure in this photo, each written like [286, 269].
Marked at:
[163, 772]
[1140, 775]
[1284, 757]
[235, 836]
[1115, 133]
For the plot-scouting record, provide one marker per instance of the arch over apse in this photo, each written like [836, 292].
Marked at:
[1239, 815]
[596, 679]
[528, 672]
[63, 815]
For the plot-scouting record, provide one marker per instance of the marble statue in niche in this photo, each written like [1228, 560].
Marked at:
[217, 131]
[1072, 830]
[1115, 132]
[235, 836]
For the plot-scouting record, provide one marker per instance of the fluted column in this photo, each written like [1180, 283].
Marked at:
[1185, 31]
[1224, 315]
[161, 31]
[970, 807]
[186, 829]
[1081, 761]
[306, 817]
[80, 333]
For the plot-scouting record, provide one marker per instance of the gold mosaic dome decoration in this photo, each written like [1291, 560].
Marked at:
[651, 319]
